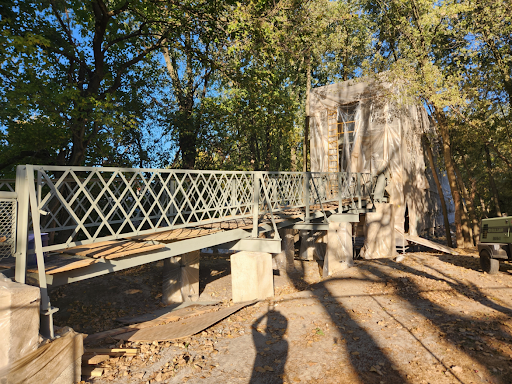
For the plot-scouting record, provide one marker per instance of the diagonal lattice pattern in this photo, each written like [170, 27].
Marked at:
[7, 185]
[87, 204]
[7, 227]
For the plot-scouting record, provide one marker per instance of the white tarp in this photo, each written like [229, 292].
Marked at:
[386, 139]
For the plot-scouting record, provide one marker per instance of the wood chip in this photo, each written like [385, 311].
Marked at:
[131, 351]
[92, 372]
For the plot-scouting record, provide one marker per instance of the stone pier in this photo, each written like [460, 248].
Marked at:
[307, 245]
[251, 276]
[339, 255]
[379, 238]
[284, 260]
[181, 278]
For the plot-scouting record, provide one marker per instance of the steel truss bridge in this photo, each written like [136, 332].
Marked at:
[80, 222]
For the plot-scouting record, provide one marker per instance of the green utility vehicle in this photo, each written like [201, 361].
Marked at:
[495, 242]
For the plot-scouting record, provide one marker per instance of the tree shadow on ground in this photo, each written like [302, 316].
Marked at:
[475, 339]
[211, 268]
[348, 327]
[471, 262]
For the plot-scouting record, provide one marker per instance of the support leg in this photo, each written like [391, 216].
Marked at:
[285, 260]
[339, 248]
[307, 245]
[181, 278]
[251, 276]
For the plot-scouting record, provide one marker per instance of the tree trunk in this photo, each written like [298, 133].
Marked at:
[188, 140]
[468, 212]
[476, 226]
[470, 201]
[426, 145]
[493, 188]
[293, 158]
[306, 123]
[485, 210]
[450, 172]
[255, 152]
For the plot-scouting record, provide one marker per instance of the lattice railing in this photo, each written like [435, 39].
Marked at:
[82, 205]
[7, 185]
[7, 224]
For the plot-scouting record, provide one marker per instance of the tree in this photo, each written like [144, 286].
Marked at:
[75, 73]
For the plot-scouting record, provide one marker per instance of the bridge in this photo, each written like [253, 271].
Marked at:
[64, 224]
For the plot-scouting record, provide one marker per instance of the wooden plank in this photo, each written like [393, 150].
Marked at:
[107, 351]
[94, 359]
[53, 269]
[7, 263]
[428, 243]
[112, 249]
[60, 263]
[179, 314]
[177, 234]
[183, 328]
[133, 250]
[193, 308]
[92, 372]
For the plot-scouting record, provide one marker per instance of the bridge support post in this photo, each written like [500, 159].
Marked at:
[307, 245]
[285, 259]
[251, 276]
[339, 248]
[379, 238]
[181, 278]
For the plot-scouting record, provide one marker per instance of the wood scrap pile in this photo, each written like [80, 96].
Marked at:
[142, 344]
[92, 357]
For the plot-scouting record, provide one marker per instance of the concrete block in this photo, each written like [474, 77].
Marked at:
[379, 239]
[284, 260]
[251, 276]
[19, 321]
[321, 245]
[307, 245]
[181, 278]
[339, 254]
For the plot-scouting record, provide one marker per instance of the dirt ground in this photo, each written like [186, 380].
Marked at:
[432, 318]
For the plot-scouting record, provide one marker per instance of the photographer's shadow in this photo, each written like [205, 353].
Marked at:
[271, 348]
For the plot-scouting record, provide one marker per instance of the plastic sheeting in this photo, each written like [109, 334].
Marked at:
[386, 140]
[19, 321]
[56, 362]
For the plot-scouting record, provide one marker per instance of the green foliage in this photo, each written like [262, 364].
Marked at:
[108, 83]
[75, 76]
